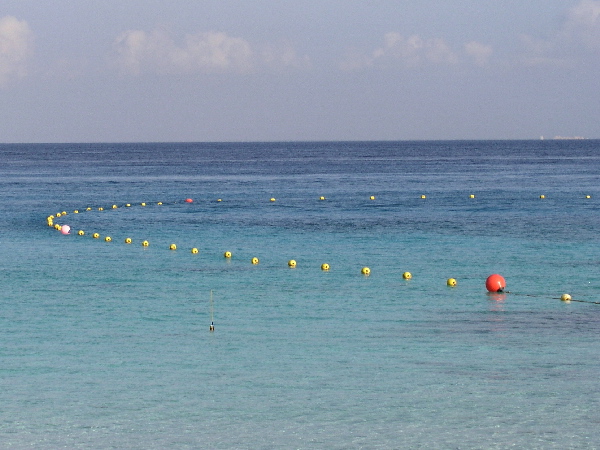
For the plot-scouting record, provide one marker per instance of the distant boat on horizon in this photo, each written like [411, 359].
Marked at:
[564, 138]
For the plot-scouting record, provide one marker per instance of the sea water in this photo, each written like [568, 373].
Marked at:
[107, 344]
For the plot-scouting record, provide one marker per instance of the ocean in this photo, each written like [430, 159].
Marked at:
[105, 344]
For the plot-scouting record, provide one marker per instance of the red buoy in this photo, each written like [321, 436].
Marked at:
[495, 283]
[188, 200]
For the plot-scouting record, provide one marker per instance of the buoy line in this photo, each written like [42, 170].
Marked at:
[495, 283]
[220, 200]
[51, 217]
[564, 298]
[66, 229]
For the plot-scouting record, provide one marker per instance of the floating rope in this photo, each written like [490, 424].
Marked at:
[552, 298]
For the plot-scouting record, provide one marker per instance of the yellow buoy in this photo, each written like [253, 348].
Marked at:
[128, 240]
[565, 298]
[143, 204]
[76, 211]
[159, 203]
[219, 200]
[145, 244]
[101, 209]
[108, 239]
[588, 196]
[96, 235]
[325, 266]
[365, 271]
[194, 250]
[372, 197]
[292, 263]
[172, 247]
[272, 199]
[471, 196]
[81, 232]
[321, 198]
[88, 209]
[57, 227]
[128, 205]
[58, 214]
[407, 275]
[255, 260]
[64, 213]
[451, 282]
[423, 196]
[542, 196]
[227, 254]
[114, 206]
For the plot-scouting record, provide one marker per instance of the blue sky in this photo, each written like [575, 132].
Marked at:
[225, 70]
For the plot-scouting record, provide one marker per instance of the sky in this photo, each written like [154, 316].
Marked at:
[260, 70]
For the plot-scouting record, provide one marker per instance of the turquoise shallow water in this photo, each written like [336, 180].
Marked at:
[106, 345]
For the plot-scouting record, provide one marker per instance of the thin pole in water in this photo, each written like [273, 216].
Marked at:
[212, 325]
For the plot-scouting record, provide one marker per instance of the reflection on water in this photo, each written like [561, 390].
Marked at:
[496, 301]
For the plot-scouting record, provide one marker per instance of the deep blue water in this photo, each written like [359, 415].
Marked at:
[107, 345]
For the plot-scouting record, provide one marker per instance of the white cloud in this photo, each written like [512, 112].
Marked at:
[16, 45]
[280, 57]
[479, 52]
[578, 36]
[583, 24]
[203, 52]
[415, 51]
[438, 52]
[540, 52]
[138, 51]
[355, 60]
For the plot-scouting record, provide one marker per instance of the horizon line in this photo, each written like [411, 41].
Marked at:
[556, 138]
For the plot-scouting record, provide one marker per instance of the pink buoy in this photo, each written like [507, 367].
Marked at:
[495, 283]
[188, 200]
[65, 229]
